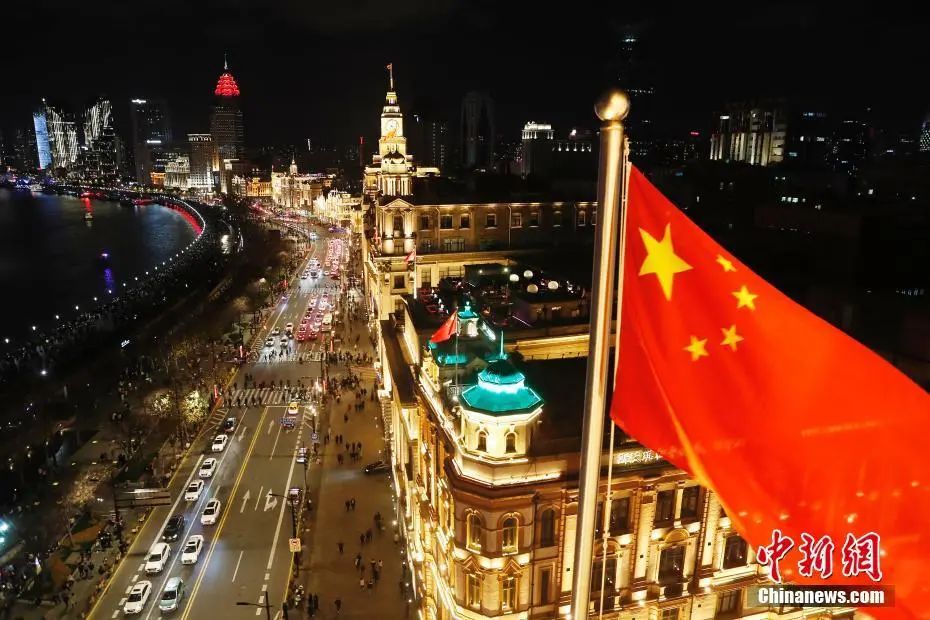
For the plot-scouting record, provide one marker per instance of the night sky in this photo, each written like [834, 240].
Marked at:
[316, 68]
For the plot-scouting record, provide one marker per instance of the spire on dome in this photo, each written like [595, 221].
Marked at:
[225, 64]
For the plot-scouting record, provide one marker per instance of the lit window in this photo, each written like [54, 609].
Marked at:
[445, 221]
[689, 502]
[511, 443]
[472, 590]
[516, 221]
[464, 221]
[671, 563]
[581, 218]
[398, 225]
[509, 535]
[482, 441]
[534, 218]
[490, 220]
[556, 218]
[665, 506]
[734, 552]
[509, 593]
[473, 532]
[729, 602]
[670, 614]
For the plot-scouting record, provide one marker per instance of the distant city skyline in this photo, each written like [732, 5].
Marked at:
[552, 71]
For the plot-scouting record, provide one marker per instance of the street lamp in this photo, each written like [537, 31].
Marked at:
[266, 605]
[293, 500]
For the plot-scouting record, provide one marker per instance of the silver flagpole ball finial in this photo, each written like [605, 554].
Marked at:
[613, 105]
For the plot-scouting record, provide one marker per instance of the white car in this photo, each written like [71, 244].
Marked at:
[289, 328]
[138, 597]
[157, 558]
[211, 512]
[207, 467]
[193, 491]
[269, 342]
[293, 408]
[219, 443]
[283, 340]
[276, 331]
[191, 552]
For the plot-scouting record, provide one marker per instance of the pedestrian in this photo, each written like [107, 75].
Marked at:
[352, 503]
[371, 584]
[348, 504]
[380, 565]
[338, 605]
[346, 418]
[358, 560]
[316, 602]
[340, 547]
[368, 537]
[373, 563]
[361, 538]
[361, 583]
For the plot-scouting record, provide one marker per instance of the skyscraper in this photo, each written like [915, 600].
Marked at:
[925, 136]
[62, 135]
[201, 161]
[100, 142]
[226, 120]
[478, 133]
[43, 148]
[151, 134]
[24, 149]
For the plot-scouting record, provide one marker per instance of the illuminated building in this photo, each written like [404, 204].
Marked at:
[485, 457]
[339, 209]
[99, 158]
[62, 136]
[178, 173]
[43, 148]
[292, 190]
[24, 148]
[201, 161]
[753, 134]
[924, 146]
[544, 155]
[478, 135]
[226, 119]
[391, 172]
[151, 134]
[251, 187]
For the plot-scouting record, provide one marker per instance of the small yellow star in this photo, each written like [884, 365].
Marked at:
[662, 260]
[745, 298]
[730, 337]
[727, 265]
[697, 348]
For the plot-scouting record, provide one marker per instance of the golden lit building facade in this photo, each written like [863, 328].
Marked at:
[294, 191]
[486, 480]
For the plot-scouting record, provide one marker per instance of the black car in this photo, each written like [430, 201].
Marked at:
[229, 425]
[174, 529]
[377, 467]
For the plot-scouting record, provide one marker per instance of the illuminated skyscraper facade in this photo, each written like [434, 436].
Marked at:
[226, 119]
[201, 161]
[99, 157]
[43, 147]
[62, 136]
[151, 135]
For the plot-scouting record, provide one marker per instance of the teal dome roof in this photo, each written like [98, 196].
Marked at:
[501, 390]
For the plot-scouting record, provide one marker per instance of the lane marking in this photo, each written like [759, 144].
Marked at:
[275, 444]
[277, 531]
[134, 578]
[267, 576]
[219, 530]
[115, 613]
[259, 498]
[270, 424]
[236, 572]
[122, 602]
[258, 611]
[264, 587]
[142, 566]
[128, 590]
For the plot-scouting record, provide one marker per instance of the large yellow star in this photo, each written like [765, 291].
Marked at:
[730, 337]
[697, 348]
[727, 265]
[745, 299]
[662, 260]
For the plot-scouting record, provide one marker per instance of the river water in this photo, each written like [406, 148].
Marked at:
[51, 258]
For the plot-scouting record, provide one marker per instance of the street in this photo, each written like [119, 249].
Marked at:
[245, 557]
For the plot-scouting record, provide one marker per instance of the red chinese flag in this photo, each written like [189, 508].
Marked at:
[446, 330]
[795, 425]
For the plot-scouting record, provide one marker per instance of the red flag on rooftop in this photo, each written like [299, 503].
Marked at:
[795, 425]
[447, 329]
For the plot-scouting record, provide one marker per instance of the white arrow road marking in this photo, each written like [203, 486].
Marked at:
[270, 424]
[242, 433]
[270, 502]
[245, 498]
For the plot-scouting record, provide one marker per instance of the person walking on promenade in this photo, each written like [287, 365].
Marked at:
[339, 544]
[338, 604]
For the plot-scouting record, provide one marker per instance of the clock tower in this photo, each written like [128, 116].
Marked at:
[391, 164]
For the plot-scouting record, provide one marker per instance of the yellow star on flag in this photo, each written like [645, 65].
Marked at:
[730, 337]
[697, 348]
[662, 260]
[745, 299]
[727, 265]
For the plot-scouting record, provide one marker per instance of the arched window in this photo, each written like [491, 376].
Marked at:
[509, 535]
[473, 532]
[482, 441]
[547, 528]
[511, 443]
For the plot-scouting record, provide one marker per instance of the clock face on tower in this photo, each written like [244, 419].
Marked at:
[390, 127]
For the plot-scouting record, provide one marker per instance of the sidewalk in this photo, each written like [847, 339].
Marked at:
[328, 572]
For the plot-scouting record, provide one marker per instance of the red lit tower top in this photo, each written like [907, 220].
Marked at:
[226, 86]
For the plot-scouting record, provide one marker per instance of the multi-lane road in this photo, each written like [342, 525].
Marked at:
[245, 556]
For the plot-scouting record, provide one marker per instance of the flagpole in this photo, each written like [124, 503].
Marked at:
[612, 109]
